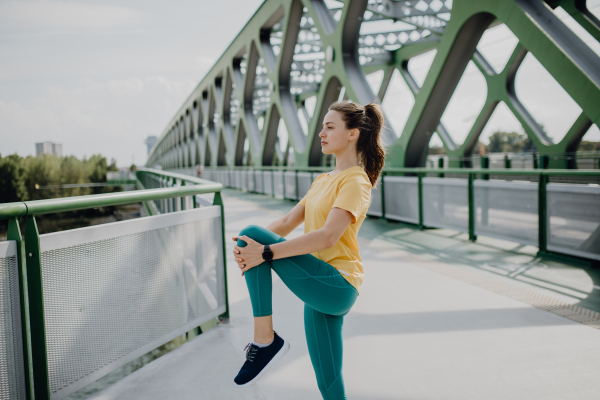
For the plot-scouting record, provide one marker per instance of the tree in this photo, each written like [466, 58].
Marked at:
[509, 142]
[12, 179]
[588, 146]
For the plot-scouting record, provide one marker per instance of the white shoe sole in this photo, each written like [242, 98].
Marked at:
[284, 349]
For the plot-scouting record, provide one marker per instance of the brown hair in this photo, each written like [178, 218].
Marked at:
[369, 121]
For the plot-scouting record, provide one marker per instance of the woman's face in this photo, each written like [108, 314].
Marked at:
[335, 137]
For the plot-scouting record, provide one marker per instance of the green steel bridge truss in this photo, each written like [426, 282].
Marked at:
[296, 55]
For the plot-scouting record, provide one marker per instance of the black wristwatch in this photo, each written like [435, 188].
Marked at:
[267, 253]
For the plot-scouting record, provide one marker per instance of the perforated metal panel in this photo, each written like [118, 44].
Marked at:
[250, 178]
[304, 182]
[12, 371]
[402, 198]
[290, 184]
[114, 292]
[225, 177]
[375, 205]
[507, 210]
[278, 184]
[268, 180]
[244, 180]
[258, 182]
[231, 178]
[238, 179]
[574, 219]
[445, 203]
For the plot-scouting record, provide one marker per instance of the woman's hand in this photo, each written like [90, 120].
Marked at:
[249, 256]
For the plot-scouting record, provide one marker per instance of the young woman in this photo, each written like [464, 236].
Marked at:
[322, 267]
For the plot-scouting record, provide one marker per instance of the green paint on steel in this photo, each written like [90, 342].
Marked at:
[542, 214]
[35, 291]
[382, 195]
[37, 207]
[205, 131]
[420, 191]
[218, 201]
[471, 197]
[485, 164]
[14, 233]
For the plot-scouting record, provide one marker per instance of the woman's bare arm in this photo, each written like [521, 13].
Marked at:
[290, 221]
[337, 222]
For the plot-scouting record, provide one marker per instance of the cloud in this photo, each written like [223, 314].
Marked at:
[61, 15]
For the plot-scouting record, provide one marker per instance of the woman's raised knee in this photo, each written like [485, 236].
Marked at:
[259, 234]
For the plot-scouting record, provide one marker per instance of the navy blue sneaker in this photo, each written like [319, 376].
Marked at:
[260, 359]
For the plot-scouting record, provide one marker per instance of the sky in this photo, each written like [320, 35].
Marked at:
[101, 76]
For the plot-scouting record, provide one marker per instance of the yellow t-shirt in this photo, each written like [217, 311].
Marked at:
[350, 190]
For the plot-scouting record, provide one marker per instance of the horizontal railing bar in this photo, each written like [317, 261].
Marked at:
[466, 171]
[169, 174]
[11, 210]
[37, 207]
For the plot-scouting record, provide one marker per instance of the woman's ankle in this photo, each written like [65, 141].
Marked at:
[264, 339]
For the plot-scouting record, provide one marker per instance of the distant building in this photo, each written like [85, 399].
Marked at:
[54, 149]
[150, 140]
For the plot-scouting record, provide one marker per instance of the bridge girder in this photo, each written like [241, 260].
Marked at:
[292, 51]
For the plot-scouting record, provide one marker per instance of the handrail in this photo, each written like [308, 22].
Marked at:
[175, 175]
[386, 170]
[466, 171]
[37, 207]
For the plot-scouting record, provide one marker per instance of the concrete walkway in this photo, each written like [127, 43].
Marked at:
[418, 330]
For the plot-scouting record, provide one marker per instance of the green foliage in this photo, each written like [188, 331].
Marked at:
[437, 150]
[37, 178]
[133, 168]
[588, 146]
[510, 142]
[12, 179]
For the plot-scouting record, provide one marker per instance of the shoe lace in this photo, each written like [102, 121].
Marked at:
[250, 352]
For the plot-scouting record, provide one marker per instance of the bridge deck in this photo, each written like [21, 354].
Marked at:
[437, 319]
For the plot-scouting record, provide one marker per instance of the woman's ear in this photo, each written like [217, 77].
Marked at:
[354, 133]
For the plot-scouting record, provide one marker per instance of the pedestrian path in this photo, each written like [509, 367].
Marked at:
[438, 317]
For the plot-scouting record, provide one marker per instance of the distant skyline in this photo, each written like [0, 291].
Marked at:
[100, 77]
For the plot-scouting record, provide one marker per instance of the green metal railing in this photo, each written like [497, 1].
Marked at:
[471, 175]
[30, 265]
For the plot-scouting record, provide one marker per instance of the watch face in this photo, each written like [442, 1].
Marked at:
[267, 254]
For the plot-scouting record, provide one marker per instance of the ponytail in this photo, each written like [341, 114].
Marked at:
[369, 121]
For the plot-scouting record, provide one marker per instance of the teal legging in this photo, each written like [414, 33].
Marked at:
[327, 297]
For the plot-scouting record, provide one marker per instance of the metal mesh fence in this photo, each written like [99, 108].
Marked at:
[278, 184]
[268, 179]
[251, 183]
[114, 292]
[445, 203]
[238, 179]
[375, 206]
[507, 210]
[402, 198]
[12, 371]
[304, 182]
[244, 180]
[574, 219]
[258, 181]
[290, 184]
